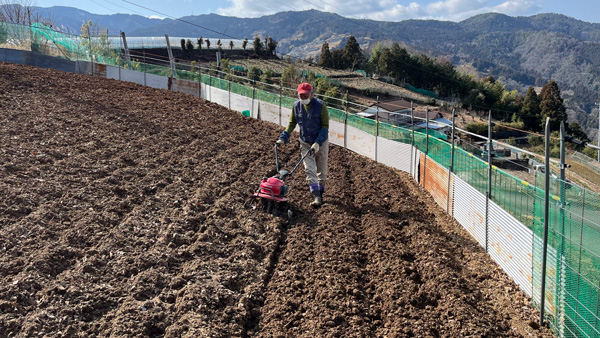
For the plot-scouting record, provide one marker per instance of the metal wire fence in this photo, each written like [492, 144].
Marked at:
[573, 274]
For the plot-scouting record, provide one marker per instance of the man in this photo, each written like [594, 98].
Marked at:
[312, 116]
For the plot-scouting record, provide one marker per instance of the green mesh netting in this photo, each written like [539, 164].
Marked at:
[288, 102]
[362, 123]
[395, 133]
[265, 96]
[241, 89]
[337, 115]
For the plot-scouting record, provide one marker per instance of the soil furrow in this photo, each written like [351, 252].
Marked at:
[121, 215]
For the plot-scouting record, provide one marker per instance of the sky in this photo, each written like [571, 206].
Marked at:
[382, 10]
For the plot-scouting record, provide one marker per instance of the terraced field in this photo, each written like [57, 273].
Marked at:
[121, 215]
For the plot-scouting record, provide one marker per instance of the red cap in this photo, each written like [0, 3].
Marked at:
[304, 88]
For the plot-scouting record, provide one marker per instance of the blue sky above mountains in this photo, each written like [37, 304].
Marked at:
[383, 10]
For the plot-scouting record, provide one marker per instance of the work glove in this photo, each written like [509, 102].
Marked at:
[280, 142]
[315, 147]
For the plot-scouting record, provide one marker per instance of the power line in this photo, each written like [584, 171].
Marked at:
[178, 19]
[360, 22]
[129, 9]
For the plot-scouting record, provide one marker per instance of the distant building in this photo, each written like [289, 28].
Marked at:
[389, 111]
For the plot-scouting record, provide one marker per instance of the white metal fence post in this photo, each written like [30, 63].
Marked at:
[412, 142]
[426, 145]
[451, 167]
[546, 213]
[376, 128]
[489, 183]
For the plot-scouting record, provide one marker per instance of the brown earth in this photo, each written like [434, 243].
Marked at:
[349, 79]
[122, 215]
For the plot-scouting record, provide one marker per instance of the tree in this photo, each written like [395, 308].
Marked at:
[258, 46]
[289, 78]
[245, 44]
[530, 112]
[200, 43]
[271, 46]
[207, 44]
[337, 59]
[254, 73]
[373, 62]
[183, 48]
[189, 47]
[325, 58]
[324, 86]
[352, 52]
[400, 59]
[219, 45]
[551, 105]
[22, 12]
[98, 47]
[575, 130]
[385, 61]
[230, 44]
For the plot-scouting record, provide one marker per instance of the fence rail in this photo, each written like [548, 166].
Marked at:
[507, 220]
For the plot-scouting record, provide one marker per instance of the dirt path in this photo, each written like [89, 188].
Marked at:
[121, 215]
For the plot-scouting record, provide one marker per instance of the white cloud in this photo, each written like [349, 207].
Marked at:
[518, 7]
[385, 10]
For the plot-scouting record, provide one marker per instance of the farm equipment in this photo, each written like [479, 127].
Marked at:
[272, 191]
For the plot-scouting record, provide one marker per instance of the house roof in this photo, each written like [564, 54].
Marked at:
[437, 123]
[394, 105]
[432, 114]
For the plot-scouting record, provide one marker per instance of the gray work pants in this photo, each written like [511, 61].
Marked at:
[315, 165]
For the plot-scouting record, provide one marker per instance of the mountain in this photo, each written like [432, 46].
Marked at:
[69, 19]
[521, 51]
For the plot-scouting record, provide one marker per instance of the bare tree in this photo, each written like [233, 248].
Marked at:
[17, 11]
[22, 12]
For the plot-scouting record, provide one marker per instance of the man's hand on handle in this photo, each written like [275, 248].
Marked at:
[315, 147]
[280, 142]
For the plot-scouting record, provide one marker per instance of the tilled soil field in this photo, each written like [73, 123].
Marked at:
[121, 215]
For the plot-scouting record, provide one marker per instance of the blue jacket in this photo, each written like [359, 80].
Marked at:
[312, 128]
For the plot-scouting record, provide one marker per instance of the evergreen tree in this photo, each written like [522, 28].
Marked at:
[530, 113]
[337, 59]
[182, 45]
[245, 43]
[352, 53]
[258, 46]
[230, 45]
[400, 59]
[385, 62]
[325, 58]
[373, 62]
[207, 44]
[271, 46]
[551, 105]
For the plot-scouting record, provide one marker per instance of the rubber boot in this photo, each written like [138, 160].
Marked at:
[318, 199]
[322, 189]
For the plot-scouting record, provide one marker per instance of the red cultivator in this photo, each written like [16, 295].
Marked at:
[272, 191]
